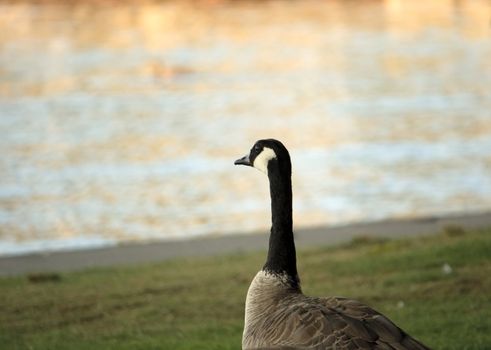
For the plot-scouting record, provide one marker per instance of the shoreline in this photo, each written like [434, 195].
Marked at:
[152, 252]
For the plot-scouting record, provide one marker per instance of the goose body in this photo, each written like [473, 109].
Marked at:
[277, 314]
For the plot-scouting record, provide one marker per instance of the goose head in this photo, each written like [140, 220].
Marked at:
[268, 155]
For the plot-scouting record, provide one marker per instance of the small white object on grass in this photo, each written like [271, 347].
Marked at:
[447, 269]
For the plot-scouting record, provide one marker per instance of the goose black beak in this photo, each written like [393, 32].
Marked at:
[243, 161]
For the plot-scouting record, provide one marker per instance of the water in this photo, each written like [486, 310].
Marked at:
[121, 123]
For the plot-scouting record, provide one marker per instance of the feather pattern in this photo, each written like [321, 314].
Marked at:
[279, 316]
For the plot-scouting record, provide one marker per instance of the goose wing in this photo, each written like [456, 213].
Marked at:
[336, 323]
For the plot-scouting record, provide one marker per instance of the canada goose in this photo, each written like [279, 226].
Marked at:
[277, 314]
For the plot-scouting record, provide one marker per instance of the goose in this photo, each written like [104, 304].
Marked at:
[277, 314]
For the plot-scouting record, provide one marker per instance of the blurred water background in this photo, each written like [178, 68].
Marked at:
[121, 121]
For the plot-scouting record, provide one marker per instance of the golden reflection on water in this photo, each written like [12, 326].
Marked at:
[120, 121]
[57, 30]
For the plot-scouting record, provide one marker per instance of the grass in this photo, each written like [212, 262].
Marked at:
[198, 303]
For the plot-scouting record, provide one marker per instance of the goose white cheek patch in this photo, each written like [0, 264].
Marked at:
[263, 158]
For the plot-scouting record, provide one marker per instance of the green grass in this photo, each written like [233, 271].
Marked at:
[198, 303]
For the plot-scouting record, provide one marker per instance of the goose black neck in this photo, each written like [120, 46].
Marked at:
[281, 255]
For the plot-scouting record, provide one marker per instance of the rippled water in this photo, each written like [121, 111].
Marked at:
[121, 123]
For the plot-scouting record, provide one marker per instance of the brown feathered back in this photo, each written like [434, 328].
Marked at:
[281, 317]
